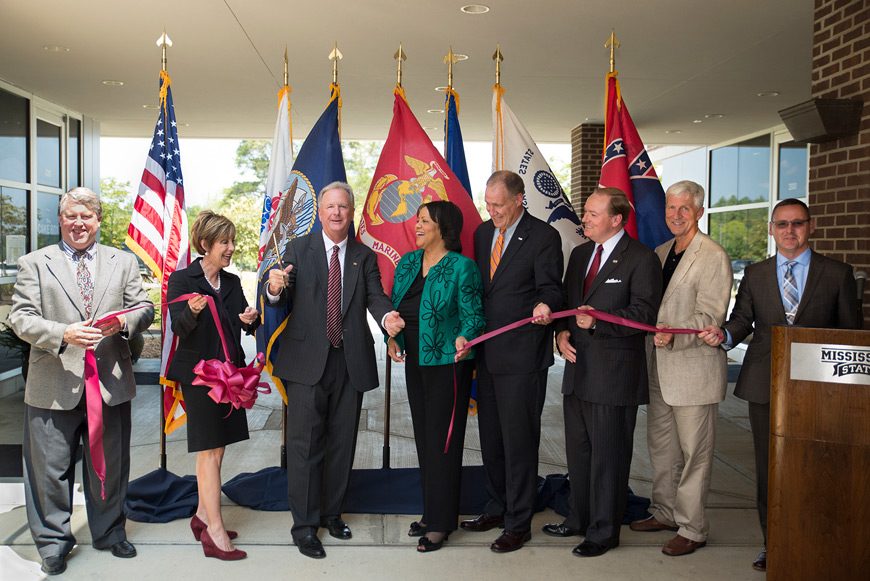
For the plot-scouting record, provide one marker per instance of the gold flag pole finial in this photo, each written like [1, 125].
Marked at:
[163, 42]
[335, 56]
[497, 57]
[612, 43]
[286, 68]
[450, 59]
[400, 56]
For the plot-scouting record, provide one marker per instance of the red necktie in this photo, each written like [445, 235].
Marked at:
[333, 300]
[593, 270]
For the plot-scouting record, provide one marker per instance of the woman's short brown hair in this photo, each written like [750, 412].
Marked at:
[209, 228]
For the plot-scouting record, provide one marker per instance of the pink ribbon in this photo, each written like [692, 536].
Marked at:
[229, 384]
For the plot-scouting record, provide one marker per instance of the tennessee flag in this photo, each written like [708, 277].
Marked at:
[410, 172]
[627, 166]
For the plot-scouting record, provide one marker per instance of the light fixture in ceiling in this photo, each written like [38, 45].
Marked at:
[435, 111]
[698, 121]
[769, 94]
[54, 48]
[155, 107]
[475, 9]
[442, 89]
[714, 116]
[460, 56]
[431, 128]
[113, 83]
[673, 131]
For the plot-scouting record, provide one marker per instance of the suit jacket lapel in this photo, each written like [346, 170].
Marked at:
[771, 286]
[65, 272]
[318, 259]
[516, 241]
[351, 273]
[106, 269]
[485, 252]
[686, 261]
[814, 275]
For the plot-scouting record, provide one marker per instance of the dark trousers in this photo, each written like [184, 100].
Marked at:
[598, 444]
[759, 421]
[322, 422]
[432, 402]
[509, 415]
[51, 439]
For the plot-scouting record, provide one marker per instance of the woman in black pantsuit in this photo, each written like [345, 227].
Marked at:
[210, 426]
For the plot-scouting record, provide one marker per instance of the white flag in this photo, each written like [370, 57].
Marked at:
[280, 166]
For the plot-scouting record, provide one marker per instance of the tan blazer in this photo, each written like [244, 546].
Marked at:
[690, 371]
[47, 299]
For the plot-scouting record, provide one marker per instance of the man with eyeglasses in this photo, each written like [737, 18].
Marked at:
[797, 286]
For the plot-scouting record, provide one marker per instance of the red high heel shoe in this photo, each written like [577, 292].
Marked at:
[212, 550]
[197, 526]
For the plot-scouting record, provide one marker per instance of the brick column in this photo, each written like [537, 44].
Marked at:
[839, 182]
[587, 144]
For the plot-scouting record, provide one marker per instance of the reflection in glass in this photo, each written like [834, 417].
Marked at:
[10, 353]
[13, 229]
[13, 137]
[793, 171]
[740, 173]
[75, 128]
[47, 227]
[743, 233]
[47, 154]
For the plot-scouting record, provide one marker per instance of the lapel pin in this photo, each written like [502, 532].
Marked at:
[354, 263]
[519, 238]
[615, 261]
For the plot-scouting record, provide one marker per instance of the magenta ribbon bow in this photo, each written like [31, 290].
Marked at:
[229, 384]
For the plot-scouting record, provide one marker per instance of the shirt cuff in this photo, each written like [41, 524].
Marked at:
[270, 297]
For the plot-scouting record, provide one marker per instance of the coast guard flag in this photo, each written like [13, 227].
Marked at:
[279, 168]
[514, 149]
[627, 166]
[158, 231]
[319, 163]
[410, 172]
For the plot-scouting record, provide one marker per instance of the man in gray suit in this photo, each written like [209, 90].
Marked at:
[687, 378]
[327, 362]
[797, 286]
[61, 289]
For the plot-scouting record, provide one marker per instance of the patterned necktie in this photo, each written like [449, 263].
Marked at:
[495, 257]
[593, 270]
[790, 299]
[84, 280]
[333, 300]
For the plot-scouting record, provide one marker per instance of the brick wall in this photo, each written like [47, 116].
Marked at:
[587, 143]
[839, 183]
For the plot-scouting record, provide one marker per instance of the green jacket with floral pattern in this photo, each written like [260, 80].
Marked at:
[451, 304]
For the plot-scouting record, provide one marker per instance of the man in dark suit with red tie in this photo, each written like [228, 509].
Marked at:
[797, 286]
[520, 262]
[605, 373]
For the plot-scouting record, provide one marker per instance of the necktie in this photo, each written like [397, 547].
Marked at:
[333, 300]
[85, 282]
[593, 270]
[790, 299]
[495, 257]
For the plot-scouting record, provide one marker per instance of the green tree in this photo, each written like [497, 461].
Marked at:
[360, 162]
[117, 209]
[562, 172]
[252, 155]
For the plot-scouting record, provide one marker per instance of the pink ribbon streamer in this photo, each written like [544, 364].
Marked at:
[229, 384]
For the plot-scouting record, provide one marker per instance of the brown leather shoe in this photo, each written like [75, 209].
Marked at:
[482, 523]
[680, 545]
[760, 562]
[510, 541]
[650, 524]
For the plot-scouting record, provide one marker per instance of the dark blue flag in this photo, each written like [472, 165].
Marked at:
[454, 151]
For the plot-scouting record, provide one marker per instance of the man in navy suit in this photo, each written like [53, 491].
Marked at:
[605, 373]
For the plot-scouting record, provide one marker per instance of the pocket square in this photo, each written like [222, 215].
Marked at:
[612, 280]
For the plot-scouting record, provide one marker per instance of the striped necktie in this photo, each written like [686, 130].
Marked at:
[495, 257]
[790, 298]
[333, 300]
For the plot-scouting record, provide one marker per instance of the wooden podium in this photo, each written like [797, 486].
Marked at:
[819, 487]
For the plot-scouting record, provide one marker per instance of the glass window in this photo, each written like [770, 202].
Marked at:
[13, 137]
[691, 165]
[740, 173]
[793, 170]
[75, 132]
[47, 227]
[743, 233]
[47, 153]
[13, 229]
[10, 350]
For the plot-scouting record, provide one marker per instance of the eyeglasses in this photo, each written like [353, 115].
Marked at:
[783, 224]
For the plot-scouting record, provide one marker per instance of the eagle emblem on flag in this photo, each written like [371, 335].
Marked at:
[396, 200]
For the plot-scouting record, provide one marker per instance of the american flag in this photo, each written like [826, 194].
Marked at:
[158, 228]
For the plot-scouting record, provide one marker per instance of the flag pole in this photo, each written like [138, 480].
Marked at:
[336, 56]
[612, 43]
[497, 57]
[283, 459]
[450, 59]
[399, 56]
[163, 42]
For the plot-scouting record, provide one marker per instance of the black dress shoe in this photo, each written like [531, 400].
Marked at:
[511, 541]
[338, 529]
[560, 530]
[592, 549]
[482, 523]
[760, 562]
[310, 546]
[122, 549]
[54, 565]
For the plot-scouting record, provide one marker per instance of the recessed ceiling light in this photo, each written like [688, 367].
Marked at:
[673, 131]
[714, 116]
[441, 89]
[150, 106]
[698, 121]
[54, 48]
[431, 128]
[460, 56]
[769, 94]
[475, 9]
[113, 83]
[435, 111]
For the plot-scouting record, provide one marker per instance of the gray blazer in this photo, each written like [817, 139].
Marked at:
[47, 300]
[691, 372]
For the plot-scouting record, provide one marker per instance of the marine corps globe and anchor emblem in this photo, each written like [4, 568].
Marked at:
[396, 200]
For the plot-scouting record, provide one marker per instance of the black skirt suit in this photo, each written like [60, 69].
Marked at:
[209, 425]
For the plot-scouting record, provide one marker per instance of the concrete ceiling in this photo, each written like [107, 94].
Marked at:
[680, 60]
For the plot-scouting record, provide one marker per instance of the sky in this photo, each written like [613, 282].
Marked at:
[209, 165]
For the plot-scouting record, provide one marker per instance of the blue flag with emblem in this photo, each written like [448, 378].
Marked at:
[318, 163]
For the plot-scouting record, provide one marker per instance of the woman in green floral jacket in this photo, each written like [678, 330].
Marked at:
[438, 293]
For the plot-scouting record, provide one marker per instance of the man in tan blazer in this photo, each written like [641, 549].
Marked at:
[61, 290]
[687, 378]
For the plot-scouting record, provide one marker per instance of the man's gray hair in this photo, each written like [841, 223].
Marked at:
[688, 187]
[83, 196]
[336, 186]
